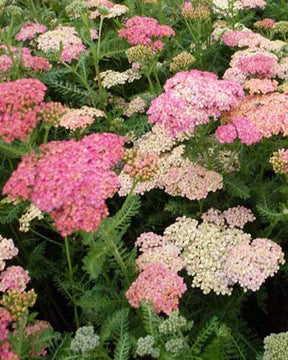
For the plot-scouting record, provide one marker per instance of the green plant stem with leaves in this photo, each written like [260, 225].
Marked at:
[70, 271]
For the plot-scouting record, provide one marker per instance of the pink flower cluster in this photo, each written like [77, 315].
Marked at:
[252, 62]
[14, 278]
[158, 281]
[265, 24]
[260, 86]
[29, 30]
[5, 319]
[240, 127]
[79, 118]
[191, 98]
[72, 52]
[64, 37]
[191, 181]
[5, 347]
[149, 241]
[235, 217]
[144, 30]
[27, 60]
[7, 251]
[251, 264]
[268, 113]
[70, 180]
[19, 102]
[259, 65]
[159, 285]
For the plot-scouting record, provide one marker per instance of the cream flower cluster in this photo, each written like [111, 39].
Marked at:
[111, 78]
[65, 36]
[177, 176]
[276, 346]
[31, 213]
[80, 118]
[219, 256]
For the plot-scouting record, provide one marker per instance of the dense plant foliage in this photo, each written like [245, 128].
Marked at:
[144, 179]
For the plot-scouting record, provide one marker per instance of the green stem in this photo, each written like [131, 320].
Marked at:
[96, 58]
[150, 83]
[158, 81]
[161, 12]
[45, 139]
[34, 10]
[67, 249]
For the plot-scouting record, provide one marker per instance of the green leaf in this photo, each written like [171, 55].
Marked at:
[236, 187]
[94, 260]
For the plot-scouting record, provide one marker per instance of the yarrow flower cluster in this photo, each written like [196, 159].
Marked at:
[85, 340]
[250, 265]
[137, 105]
[190, 99]
[226, 7]
[199, 12]
[14, 278]
[143, 30]
[165, 253]
[145, 347]
[265, 24]
[211, 251]
[140, 165]
[79, 118]
[29, 31]
[268, 112]
[31, 213]
[105, 9]
[177, 176]
[22, 56]
[260, 86]
[159, 285]
[251, 40]
[112, 78]
[70, 180]
[237, 216]
[62, 37]
[20, 101]
[276, 346]
[7, 251]
[182, 61]
[240, 127]
[279, 161]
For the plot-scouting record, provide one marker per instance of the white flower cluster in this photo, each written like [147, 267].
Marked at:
[173, 323]
[111, 78]
[218, 255]
[85, 340]
[145, 347]
[276, 347]
[30, 214]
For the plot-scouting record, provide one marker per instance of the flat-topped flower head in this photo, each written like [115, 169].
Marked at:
[29, 31]
[144, 30]
[159, 285]
[70, 180]
[19, 103]
[192, 98]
